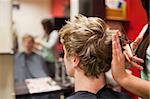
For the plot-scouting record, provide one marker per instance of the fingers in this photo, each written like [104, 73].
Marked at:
[114, 47]
[136, 42]
[118, 43]
[128, 50]
[133, 60]
[136, 65]
[138, 60]
[117, 46]
[128, 58]
[118, 60]
[117, 52]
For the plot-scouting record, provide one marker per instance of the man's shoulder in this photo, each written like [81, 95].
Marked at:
[19, 54]
[37, 56]
[107, 93]
[82, 95]
[104, 93]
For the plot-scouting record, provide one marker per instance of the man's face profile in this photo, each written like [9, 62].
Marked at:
[28, 44]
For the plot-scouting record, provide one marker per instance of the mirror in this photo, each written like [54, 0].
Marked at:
[38, 58]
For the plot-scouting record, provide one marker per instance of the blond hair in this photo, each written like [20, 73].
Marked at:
[87, 39]
[26, 36]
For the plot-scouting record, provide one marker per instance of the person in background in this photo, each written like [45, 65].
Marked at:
[87, 56]
[28, 64]
[143, 50]
[46, 45]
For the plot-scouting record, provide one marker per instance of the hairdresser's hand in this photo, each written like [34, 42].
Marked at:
[38, 40]
[38, 46]
[129, 82]
[133, 59]
[118, 59]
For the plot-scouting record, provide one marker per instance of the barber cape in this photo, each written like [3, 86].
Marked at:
[104, 93]
[28, 66]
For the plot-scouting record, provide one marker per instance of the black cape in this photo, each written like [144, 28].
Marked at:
[104, 93]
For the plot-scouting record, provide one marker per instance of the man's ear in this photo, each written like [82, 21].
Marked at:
[75, 61]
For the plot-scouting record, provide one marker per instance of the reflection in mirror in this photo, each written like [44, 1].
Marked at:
[38, 52]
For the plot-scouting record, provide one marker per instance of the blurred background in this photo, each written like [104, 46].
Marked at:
[29, 36]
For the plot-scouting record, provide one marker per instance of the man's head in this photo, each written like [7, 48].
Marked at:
[28, 43]
[86, 46]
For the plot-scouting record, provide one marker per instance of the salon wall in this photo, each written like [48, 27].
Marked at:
[58, 7]
[6, 60]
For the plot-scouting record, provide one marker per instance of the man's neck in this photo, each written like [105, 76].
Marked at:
[28, 52]
[84, 83]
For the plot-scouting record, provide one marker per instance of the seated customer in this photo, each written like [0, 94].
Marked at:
[28, 64]
[87, 57]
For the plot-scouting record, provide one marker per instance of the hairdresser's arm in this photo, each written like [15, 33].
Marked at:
[53, 38]
[127, 81]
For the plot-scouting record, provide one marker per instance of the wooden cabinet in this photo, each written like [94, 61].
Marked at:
[115, 14]
[98, 8]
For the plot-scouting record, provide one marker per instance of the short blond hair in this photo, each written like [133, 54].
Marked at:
[87, 39]
[26, 36]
